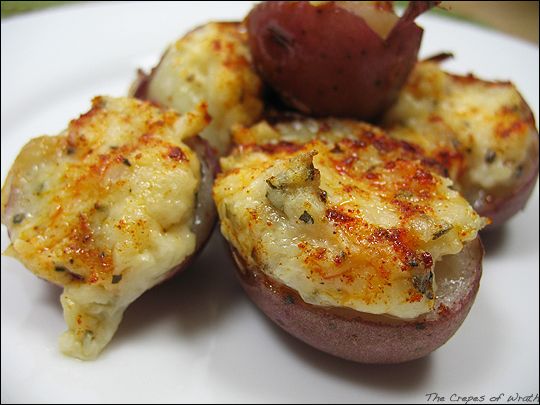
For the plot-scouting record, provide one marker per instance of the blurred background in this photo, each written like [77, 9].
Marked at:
[517, 18]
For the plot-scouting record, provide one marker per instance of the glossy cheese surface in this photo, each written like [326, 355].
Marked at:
[342, 213]
[210, 64]
[481, 131]
[105, 209]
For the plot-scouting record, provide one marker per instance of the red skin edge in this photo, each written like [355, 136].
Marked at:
[356, 339]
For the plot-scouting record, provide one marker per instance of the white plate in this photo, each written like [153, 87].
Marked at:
[197, 338]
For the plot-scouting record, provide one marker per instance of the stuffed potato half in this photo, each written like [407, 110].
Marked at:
[112, 206]
[482, 132]
[348, 239]
[359, 60]
[210, 64]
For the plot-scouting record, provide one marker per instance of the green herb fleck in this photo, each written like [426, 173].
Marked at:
[305, 217]
[40, 188]
[490, 156]
[404, 194]
[269, 182]
[423, 283]
[311, 172]
[75, 276]
[440, 233]
[116, 278]
[59, 268]
[18, 218]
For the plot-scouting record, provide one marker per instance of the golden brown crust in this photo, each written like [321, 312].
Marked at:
[210, 64]
[343, 214]
[117, 203]
[483, 133]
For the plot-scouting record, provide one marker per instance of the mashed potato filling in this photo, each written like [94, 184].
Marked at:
[105, 210]
[342, 213]
[481, 131]
[211, 64]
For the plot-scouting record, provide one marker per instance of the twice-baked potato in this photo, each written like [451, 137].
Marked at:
[348, 239]
[112, 206]
[210, 64]
[482, 132]
[351, 59]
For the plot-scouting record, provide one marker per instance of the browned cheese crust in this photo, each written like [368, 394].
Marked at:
[348, 239]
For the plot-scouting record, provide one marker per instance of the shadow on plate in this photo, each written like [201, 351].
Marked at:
[45, 320]
[402, 377]
[274, 364]
[476, 345]
[494, 241]
[196, 300]
[516, 238]
[50, 295]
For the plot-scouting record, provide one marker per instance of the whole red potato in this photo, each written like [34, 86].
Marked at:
[343, 59]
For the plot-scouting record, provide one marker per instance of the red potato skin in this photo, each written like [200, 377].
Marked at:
[353, 337]
[139, 88]
[326, 61]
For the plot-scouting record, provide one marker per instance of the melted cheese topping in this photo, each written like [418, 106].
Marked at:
[105, 210]
[341, 213]
[210, 64]
[480, 131]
